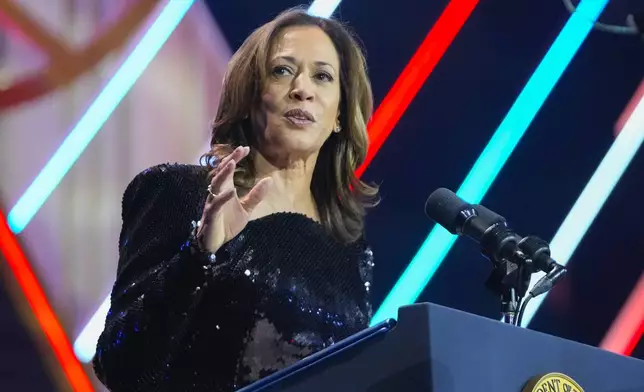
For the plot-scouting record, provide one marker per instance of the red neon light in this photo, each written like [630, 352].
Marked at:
[41, 309]
[411, 79]
[627, 329]
[626, 114]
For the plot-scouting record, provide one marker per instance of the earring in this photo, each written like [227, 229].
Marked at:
[337, 129]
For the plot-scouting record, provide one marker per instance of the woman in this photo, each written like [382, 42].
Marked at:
[235, 269]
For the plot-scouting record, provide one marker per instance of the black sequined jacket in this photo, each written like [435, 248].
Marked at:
[279, 291]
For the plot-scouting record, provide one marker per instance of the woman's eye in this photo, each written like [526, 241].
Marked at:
[324, 76]
[281, 70]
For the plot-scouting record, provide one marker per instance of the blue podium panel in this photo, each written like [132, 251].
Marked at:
[436, 349]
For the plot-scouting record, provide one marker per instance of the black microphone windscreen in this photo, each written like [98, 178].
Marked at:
[443, 207]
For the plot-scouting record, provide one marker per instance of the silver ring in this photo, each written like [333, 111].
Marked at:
[210, 191]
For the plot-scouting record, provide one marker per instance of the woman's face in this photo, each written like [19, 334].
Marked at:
[301, 96]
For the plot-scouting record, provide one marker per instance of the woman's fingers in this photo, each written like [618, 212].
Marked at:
[222, 188]
[225, 169]
[219, 180]
[216, 203]
[257, 194]
[237, 155]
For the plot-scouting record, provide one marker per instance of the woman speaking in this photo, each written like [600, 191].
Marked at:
[233, 269]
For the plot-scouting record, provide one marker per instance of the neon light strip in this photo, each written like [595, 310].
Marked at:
[96, 115]
[413, 77]
[323, 8]
[630, 107]
[85, 343]
[593, 197]
[628, 327]
[496, 153]
[424, 61]
[42, 310]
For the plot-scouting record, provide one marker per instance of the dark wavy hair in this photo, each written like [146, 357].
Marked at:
[340, 196]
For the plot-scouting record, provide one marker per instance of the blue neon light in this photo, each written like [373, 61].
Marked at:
[97, 114]
[323, 8]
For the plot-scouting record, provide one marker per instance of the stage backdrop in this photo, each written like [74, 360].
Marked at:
[72, 240]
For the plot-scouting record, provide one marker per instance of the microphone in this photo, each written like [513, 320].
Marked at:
[515, 258]
[461, 218]
[498, 241]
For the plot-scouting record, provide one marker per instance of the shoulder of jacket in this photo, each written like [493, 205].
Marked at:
[165, 178]
[168, 174]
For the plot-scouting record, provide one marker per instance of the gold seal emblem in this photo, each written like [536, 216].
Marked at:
[552, 382]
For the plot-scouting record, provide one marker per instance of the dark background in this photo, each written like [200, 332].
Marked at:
[445, 129]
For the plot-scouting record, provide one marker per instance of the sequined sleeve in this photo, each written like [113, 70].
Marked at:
[158, 280]
[366, 264]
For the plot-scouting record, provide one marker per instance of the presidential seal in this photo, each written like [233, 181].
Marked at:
[552, 382]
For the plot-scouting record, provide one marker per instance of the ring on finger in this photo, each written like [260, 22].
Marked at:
[210, 191]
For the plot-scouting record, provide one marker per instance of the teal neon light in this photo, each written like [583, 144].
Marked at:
[96, 115]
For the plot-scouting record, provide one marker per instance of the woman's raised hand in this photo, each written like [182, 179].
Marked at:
[225, 214]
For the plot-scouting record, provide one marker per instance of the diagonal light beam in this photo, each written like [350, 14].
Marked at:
[42, 310]
[485, 170]
[96, 115]
[628, 328]
[384, 120]
[412, 78]
[323, 8]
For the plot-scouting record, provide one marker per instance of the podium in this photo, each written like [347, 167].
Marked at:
[432, 348]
